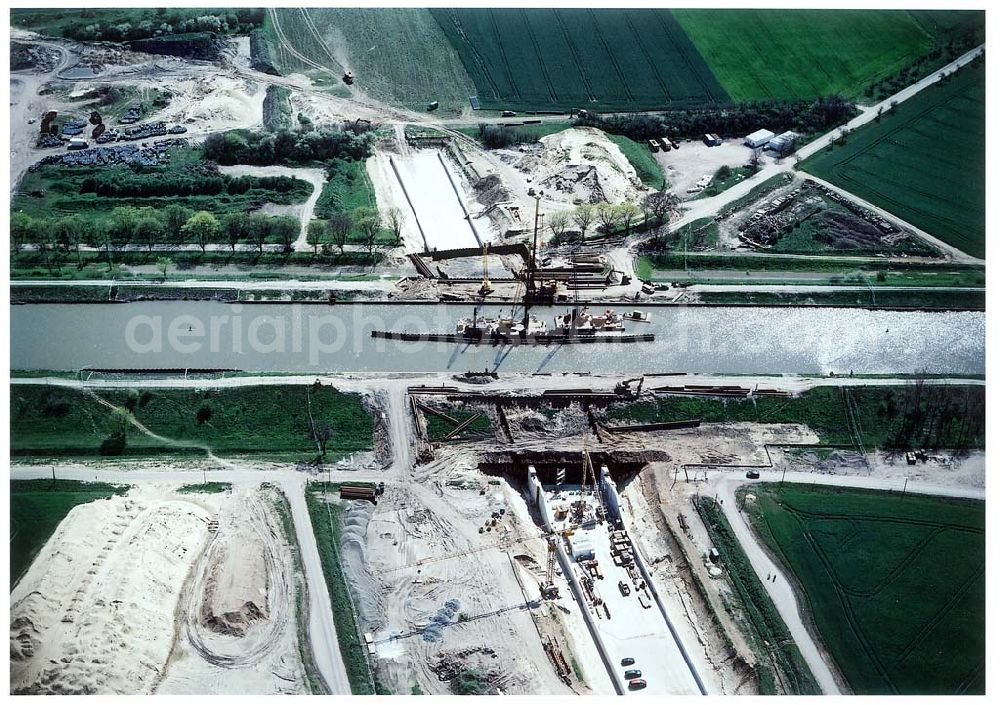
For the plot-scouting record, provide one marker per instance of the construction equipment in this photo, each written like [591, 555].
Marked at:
[486, 289]
[550, 590]
[349, 77]
[624, 388]
[358, 492]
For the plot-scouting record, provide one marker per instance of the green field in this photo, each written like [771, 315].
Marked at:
[905, 416]
[895, 585]
[37, 507]
[264, 421]
[399, 55]
[925, 161]
[542, 59]
[803, 53]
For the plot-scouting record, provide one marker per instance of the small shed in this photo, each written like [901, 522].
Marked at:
[758, 139]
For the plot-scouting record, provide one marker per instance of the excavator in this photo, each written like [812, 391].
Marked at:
[624, 388]
[486, 289]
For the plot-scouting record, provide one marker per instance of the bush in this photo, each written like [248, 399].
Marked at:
[113, 444]
[286, 147]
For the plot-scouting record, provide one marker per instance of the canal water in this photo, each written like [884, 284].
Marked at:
[331, 339]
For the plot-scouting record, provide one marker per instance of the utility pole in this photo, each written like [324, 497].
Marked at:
[905, 480]
[782, 483]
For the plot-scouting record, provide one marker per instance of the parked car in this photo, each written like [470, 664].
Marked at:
[628, 661]
[633, 674]
[636, 684]
[508, 113]
[753, 475]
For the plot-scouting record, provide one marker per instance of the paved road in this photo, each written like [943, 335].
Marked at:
[725, 483]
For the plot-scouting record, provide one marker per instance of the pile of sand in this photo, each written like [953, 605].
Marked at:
[95, 612]
[578, 165]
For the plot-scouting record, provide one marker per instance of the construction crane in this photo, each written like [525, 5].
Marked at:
[589, 474]
[486, 289]
[550, 590]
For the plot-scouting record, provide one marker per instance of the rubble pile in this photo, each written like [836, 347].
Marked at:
[130, 155]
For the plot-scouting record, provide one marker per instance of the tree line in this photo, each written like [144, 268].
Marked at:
[286, 146]
[132, 185]
[803, 116]
[147, 227]
[166, 23]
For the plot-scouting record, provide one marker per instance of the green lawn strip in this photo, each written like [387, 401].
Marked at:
[646, 167]
[759, 618]
[903, 416]
[724, 178]
[894, 584]
[951, 300]
[936, 183]
[66, 265]
[777, 263]
[261, 421]
[37, 507]
[327, 521]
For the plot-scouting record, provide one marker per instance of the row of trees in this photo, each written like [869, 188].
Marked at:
[571, 226]
[128, 184]
[367, 222]
[147, 227]
[286, 146]
[164, 23]
[806, 116]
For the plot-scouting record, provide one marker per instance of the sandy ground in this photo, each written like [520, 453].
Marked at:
[161, 592]
[694, 160]
[578, 165]
[304, 211]
[95, 612]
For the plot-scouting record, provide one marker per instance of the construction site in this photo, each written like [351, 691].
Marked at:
[325, 384]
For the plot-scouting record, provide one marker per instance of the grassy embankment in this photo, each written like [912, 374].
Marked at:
[894, 584]
[265, 422]
[945, 416]
[37, 507]
[916, 300]
[780, 667]
[327, 522]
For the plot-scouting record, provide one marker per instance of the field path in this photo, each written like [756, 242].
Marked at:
[724, 484]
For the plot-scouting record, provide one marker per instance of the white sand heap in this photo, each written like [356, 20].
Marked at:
[579, 165]
[95, 612]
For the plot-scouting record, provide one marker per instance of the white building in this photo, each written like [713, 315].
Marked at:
[783, 142]
[758, 138]
[581, 546]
